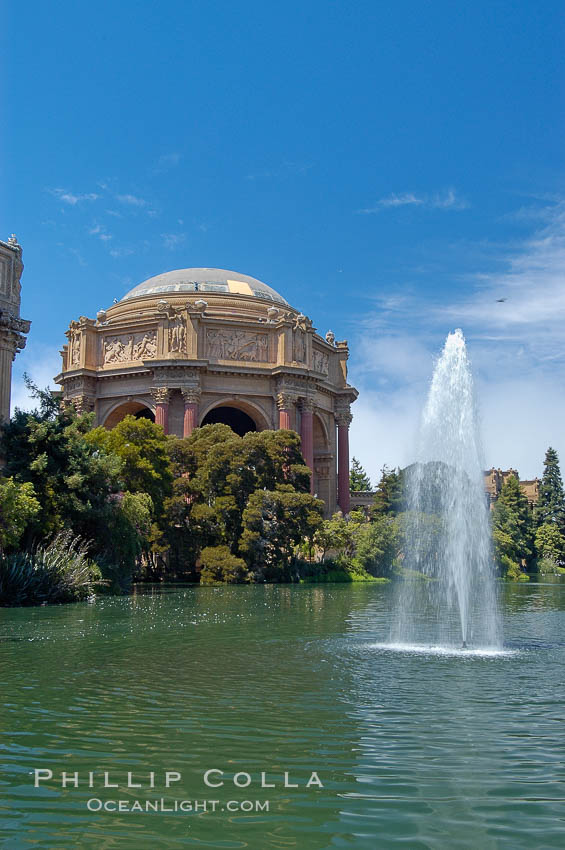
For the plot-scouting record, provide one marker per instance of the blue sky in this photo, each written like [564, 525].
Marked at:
[392, 169]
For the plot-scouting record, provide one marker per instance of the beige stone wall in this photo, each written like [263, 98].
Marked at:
[495, 478]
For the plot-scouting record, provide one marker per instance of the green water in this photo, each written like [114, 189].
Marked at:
[414, 751]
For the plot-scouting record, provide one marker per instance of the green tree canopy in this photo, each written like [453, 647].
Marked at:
[274, 523]
[389, 494]
[141, 446]
[550, 507]
[72, 478]
[18, 507]
[550, 546]
[513, 529]
[358, 478]
[216, 472]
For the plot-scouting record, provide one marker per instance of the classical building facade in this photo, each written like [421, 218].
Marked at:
[12, 327]
[198, 346]
[495, 478]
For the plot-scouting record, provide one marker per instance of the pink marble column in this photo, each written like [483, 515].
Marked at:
[285, 403]
[191, 402]
[307, 436]
[161, 397]
[343, 420]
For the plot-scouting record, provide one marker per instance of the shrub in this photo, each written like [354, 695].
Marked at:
[219, 565]
[57, 572]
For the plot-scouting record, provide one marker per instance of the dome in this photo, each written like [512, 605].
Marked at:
[205, 281]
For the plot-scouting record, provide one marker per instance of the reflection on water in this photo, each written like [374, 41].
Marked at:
[419, 749]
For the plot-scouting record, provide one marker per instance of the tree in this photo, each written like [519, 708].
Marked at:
[550, 547]
[512, 529]
[358, 478]
[335, 535]
[72, 479]
[216, 472]
[388, 496]
[18, 506]
[274, 523]
[377, 545]
[141, 446]
[219, 565]
[550, 507]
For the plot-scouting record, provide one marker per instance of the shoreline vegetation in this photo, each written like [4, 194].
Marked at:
[84, 511]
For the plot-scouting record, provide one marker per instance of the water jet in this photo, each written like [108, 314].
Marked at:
[446, 522]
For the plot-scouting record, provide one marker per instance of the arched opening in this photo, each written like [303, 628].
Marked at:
[129, 408]
[238, 420]
[145, 413]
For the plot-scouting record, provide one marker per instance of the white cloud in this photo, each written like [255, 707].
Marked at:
[532, 284]
[516, 348]
[384, 427]
[173, 240]
[100, 231]
[446, 200]
[41, 363]
[132, 200]
[167, 161]
[122, 251]
[71, 198]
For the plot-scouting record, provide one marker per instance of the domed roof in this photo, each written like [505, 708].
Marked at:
[205, 280]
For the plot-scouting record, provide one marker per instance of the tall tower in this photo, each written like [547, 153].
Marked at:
[12, 328]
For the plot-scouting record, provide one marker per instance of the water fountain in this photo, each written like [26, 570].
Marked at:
[447, 598]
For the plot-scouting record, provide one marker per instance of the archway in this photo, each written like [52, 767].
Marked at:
[238, 420]
[129, 408]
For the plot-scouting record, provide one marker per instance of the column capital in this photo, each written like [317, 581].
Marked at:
[83, 404]
[191, 395]
[285, 400]
[307, 404]
[12, 332]
[160, 395]
[343, 418]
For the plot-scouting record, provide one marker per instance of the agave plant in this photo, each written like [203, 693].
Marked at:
[59, 571]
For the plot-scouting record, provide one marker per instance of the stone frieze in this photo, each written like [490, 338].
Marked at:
[126, 347]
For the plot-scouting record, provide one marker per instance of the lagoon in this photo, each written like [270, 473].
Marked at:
[414, 749]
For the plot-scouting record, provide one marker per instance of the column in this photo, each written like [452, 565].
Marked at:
[6, 357]
[161, 397]
[343, 419]
[285, 403]
[12, 340]
[191, 402]
[307, 436]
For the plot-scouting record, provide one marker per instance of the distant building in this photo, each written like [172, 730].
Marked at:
[197, 346]
[495, 478]
[12, 327]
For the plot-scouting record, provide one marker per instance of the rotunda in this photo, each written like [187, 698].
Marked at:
[198, 346]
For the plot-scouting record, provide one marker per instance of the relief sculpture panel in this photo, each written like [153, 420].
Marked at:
[177, 335]
[320, 362]
[126, 347]
[299, 346]
[237, 345]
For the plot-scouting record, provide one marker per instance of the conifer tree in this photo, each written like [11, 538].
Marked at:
[513, 529]
[388, 496]
[358, 478]
[551, 503]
